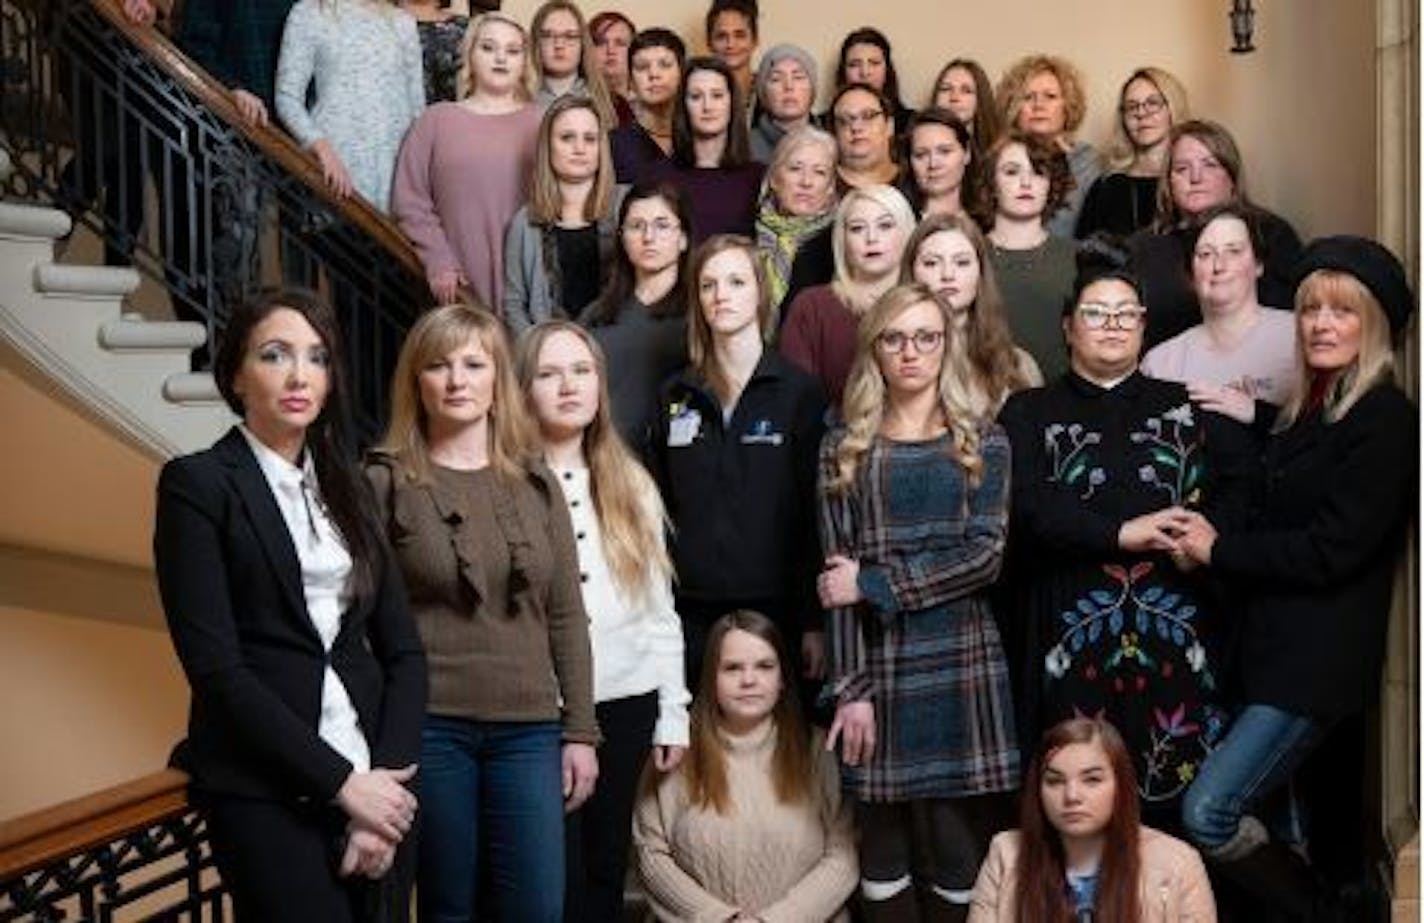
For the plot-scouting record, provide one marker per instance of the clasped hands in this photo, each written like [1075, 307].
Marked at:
[1186, 535]
[381, 811]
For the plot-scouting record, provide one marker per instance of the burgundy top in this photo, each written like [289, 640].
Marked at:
[723, 199]
[461, 176]
[819, 336]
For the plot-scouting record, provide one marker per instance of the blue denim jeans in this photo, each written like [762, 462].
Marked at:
[1258, 755]
[492, 814]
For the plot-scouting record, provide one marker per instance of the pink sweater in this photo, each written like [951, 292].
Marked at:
[461, 176]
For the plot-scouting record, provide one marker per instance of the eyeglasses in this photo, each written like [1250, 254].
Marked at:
[1125, 316]
[556, 38]
[660, 227]
[892, 342]
[852, 119]
[1143, 108]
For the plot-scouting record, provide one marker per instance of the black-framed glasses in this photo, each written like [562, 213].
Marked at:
[1127, 315]
[892, 342]
[1145, 107]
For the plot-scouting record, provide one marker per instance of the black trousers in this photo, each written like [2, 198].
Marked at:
[937, 841]
[598, 836]
[279, 862]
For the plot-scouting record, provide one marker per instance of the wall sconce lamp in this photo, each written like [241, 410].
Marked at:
[1243, 23]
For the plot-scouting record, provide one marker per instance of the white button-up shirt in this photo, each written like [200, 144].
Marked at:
[326, 578]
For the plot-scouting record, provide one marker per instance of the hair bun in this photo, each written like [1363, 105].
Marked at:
[1102, 252]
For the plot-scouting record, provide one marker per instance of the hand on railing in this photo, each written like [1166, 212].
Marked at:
[378, 801]
[332, 169]
[446, 286]
[141, 12]
[253, 109]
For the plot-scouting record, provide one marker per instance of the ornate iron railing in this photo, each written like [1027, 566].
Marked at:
[101, 118]
[134, 852]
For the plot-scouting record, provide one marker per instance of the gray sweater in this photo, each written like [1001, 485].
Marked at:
[529, 295]
[366, 62]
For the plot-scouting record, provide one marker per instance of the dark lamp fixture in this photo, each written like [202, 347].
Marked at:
[1243, 23]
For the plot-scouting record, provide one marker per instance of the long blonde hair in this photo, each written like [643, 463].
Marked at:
[864, 403]
[625, 498]
[701, 349]
[1373, 365]
[465, 80]
[545, 202]
[435, 335]
[594, 84]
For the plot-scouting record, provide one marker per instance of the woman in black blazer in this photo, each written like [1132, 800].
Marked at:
[307, 675]
[1314, 572]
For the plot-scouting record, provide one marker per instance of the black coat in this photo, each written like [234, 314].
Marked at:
[232, 593]
[1316, 568]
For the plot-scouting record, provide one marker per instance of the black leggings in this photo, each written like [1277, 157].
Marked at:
[598, 836]
[937, 841]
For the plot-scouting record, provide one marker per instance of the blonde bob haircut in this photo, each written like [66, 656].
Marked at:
[888, 198]
[545, 202]
[1373, 365]
[1010, 94]
[798, 139]
[863, 405]
[631, 518]
[700, 339]
[1123, 152]
[433, 337]
[465, 80]
[595, 86]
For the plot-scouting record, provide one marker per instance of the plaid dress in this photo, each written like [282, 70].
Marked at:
[922, 646]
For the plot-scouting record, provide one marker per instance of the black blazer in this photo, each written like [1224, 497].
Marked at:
[1315, 570]
[232, 593]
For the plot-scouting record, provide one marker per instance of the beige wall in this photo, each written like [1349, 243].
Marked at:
[88, 704]
[1301, 106]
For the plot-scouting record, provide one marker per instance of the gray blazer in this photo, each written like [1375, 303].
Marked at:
[528, 294]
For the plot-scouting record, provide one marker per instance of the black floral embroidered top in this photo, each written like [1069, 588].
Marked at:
[1094, 629]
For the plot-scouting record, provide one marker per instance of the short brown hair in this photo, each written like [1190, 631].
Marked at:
[1046, 158]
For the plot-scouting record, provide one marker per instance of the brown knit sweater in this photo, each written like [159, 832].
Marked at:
[493, 578]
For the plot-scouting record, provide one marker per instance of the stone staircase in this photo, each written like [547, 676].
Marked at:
[68, 323]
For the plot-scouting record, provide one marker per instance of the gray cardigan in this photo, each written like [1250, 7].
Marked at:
[528, 295]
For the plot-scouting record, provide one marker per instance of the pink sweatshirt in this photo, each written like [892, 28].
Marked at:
[461, 176]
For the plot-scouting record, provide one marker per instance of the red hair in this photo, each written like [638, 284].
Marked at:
[1043, 894]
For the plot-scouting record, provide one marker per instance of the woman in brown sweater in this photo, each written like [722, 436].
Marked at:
[482, 535]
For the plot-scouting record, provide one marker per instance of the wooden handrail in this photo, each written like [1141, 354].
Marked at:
[273, 142]
[37, 839]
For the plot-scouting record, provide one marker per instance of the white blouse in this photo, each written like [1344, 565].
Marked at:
[637, 643]
[326, 584]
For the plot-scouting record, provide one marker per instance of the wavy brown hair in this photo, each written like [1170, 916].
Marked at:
[705, 768]
[984, 346]
[631, 519]
[1046, 158]
[1042, 896]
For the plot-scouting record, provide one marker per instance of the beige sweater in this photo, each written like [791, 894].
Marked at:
[782, 863]
[1174, 885]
